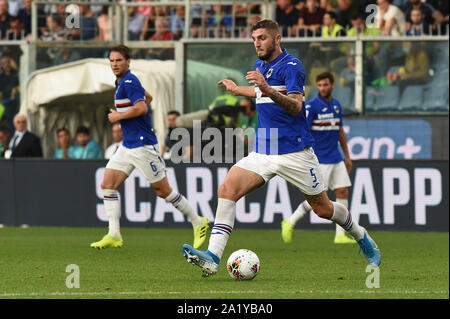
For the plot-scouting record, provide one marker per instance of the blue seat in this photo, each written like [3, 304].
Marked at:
[412, 98]
[388, 99]
[436, 98]
[370, 98]
[345, 96]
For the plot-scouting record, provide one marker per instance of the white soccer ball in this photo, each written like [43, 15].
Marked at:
[243, 264]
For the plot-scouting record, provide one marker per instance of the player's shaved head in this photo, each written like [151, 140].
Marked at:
[271, 26]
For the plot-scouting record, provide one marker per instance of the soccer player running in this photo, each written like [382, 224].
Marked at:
[283, 147]
[324, 117]
[139, 150]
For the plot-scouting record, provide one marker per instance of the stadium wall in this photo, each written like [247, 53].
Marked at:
[407, 195]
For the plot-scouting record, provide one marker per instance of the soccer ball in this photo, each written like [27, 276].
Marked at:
[243, 264]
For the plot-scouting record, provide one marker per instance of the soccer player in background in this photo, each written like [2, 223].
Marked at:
[324, 116]
[139, 150]
[283, 147]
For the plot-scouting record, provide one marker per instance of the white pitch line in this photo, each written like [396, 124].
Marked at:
[212, 292]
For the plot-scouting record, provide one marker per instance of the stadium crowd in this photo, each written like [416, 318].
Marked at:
[296, 18]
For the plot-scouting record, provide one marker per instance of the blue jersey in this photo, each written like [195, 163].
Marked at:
[278, 131]
[325, 119]
[137, 131]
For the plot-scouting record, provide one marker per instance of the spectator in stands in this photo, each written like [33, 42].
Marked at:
[223, 31]
[117, 135]
[148, 30]
[330, 28]
[168, 143]
[9, 89]
[4, 19]
[418, 26]
[310, 19]
[23, 143]
[104, 32]
[197, 30]
[329, 5]
[252, 19]
[162, 32]
[415, 69]
[345, 9]
[55, 30]
[135, 23]
[389, 19]
[287, 17]
[14, 7]
[177, 22]
[88, 25]
[66, 149]
[87, 148]
[16, 30]
[25, 15]
[359, 27]
[443, 7]
[250, 115]
[431, 16]
[5, 134]
[347, 74]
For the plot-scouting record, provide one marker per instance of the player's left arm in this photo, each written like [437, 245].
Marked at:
[291, 103]
[344, 146]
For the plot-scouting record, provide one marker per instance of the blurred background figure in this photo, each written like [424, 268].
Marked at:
[23, 143]
[87, 148]
[310, 19]
[389, 19]
[66, 149]
[5, 134]
[168, 143]
[117, 135]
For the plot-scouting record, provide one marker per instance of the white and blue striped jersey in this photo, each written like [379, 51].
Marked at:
[137, 131]
[278, 131]
[325, 119]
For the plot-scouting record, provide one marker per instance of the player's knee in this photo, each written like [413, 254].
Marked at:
[225, 191]
[107, 185]
[341, 193]
[162, 192]
[324, 210]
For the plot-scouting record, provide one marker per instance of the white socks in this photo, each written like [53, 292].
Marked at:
[180, 202]
[112, 210]
[342, 217]
[223, 226]
[339, 230]
[301, 210]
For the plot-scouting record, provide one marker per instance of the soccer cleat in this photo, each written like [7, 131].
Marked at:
[343, 239]
[370, 250]
[200, 233]
[108, 241]
[286, 231]
[206, 260]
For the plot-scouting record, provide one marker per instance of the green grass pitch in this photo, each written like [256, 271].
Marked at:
[33, 264]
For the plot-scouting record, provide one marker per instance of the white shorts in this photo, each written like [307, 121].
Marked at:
[145, 158]
[335, 175]
[300, 169]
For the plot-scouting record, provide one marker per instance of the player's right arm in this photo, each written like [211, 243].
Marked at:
[138, 109]
[248, 91]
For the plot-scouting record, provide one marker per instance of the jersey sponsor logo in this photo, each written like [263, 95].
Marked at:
[293, 63]
[128, 81]
[325, 116]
